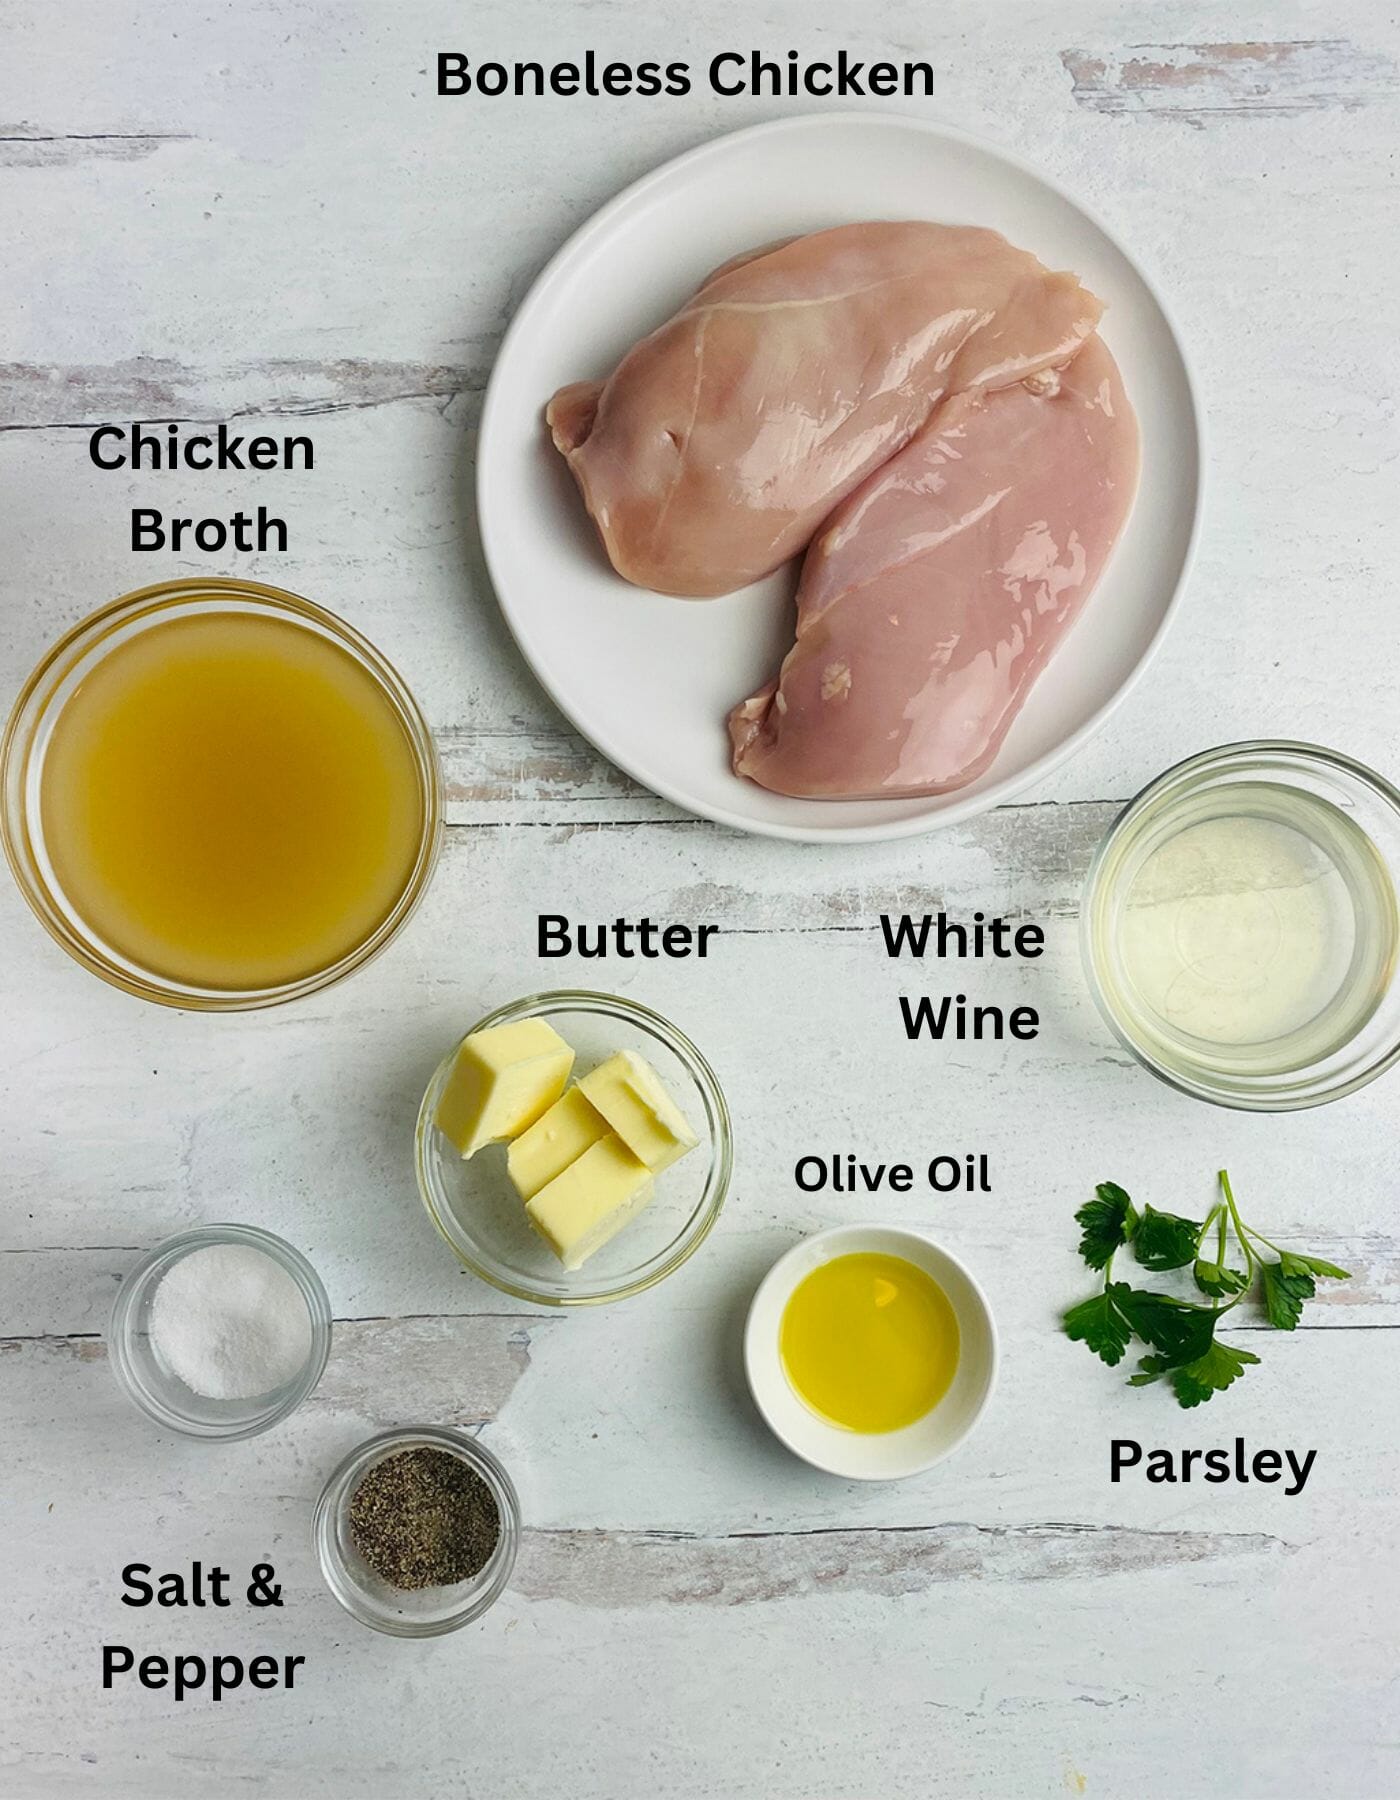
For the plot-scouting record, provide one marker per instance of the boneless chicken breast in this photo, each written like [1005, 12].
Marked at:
[933, 598]
[722, 441]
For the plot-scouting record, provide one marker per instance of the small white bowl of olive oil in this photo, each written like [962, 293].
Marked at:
[870, 1351]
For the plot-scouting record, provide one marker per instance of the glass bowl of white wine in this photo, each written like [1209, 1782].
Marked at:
[1240, 927]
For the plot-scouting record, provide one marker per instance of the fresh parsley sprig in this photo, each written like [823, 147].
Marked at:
[1180, 1335]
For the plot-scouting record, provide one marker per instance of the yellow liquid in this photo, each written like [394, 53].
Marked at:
[869, 1342]
[231, 801]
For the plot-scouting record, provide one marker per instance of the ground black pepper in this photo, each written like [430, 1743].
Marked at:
[422, 1518]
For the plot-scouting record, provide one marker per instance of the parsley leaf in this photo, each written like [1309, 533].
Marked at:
[1150, 1369]
[1108, 1221]
[1109, 1321]
[1218, 1280]
[1195, 1381]
[1179, 1329]
[1101, 1323]
[1210, 1374]
[1165, 1240]
[1285, 1290]
[1295, 1264]
[1180, 1334]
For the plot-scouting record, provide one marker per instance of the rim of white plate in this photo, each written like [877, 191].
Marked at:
[949, 812]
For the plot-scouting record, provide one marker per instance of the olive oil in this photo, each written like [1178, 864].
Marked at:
[231, 801]
[869, 1342]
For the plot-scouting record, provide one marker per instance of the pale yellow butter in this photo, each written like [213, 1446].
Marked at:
[590, 1201]
[502, 1081]
[556, 1139]
[631, 1096]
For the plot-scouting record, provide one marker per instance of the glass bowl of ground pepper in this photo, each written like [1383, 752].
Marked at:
[417, 1530]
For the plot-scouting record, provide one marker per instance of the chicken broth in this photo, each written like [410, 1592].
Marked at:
[230, 801]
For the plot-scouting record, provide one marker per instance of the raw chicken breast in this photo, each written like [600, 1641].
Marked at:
[936, 595]
[721, 442]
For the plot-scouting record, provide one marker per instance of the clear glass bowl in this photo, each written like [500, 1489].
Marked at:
[480, 1214]
[417, 1612]
[159, 1393]
[30, 727]
[1352, 818]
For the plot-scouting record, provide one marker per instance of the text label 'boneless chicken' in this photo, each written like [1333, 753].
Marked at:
[922, 397]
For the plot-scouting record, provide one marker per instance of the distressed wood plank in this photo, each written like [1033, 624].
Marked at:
[42, 397]
[714, 1509]
[1006, 1655]
[159, 1121]
[27, 146]
[622, 1569]
[1202, 83]
[460, 1370]
[523, 776]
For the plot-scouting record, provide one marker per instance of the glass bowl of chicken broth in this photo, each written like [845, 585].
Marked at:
[1240, 926]
[218, 795]
[577, 1209]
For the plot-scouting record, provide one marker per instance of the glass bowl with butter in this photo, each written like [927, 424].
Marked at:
[598, 1148]
[1240, 927]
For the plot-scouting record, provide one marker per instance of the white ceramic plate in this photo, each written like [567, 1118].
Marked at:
[650, 680]
[885, 1455]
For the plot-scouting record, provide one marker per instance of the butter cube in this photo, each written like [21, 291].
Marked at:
[630, 1095]
[503, 1079]
[555, 1140]
[590, 1201]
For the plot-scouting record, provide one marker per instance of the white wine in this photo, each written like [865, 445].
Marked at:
[1258, 932]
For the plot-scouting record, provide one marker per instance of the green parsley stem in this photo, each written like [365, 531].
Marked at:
[1251, 1261]
[1215, 1216]
[1240, 1227]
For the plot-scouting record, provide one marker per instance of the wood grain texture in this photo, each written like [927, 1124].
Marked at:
[25, 146]
[1201, 82]
[38, 398]
[630, 1568]
[263, 214]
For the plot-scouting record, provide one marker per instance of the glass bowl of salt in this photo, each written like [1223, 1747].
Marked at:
[220, 1332]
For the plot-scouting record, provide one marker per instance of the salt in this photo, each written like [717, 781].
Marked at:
[230, 1323]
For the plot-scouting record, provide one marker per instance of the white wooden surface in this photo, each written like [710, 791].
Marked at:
[262, 212]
